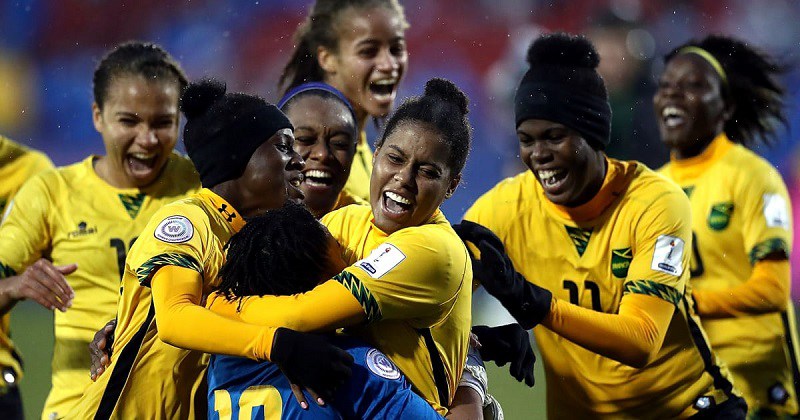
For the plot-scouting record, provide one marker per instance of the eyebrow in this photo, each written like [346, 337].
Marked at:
[436, 166]
[376, 41]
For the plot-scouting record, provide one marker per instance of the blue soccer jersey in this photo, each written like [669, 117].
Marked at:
[377, 390]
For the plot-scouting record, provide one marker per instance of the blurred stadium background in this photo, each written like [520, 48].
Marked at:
[48, 50]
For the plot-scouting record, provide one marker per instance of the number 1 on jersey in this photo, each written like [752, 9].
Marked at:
[574, 293]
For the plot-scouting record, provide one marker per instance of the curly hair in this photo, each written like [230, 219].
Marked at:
[282, 252]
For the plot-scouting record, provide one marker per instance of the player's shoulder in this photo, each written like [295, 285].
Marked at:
[746, 167]
[649, 186]
[348, 215]
[511, 191]
[181, 171]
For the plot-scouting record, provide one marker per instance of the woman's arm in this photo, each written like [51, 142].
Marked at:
[632, 336]
[766, 291]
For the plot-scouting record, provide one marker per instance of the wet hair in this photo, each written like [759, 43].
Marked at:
[443, 107]
[320, 29]
[751, 88]
[282, 252]
[135, 58]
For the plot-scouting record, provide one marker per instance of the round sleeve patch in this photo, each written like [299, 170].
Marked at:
[380, 365]
[175, 230]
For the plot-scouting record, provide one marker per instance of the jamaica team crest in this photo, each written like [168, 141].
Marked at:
[620, 261]
[720, 215]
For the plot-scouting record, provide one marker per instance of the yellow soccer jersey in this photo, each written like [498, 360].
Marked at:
[358, 182]
[17, 164]
[633, 237]
[70, 215]
[189, 233]
[740, 213]
[424, 271]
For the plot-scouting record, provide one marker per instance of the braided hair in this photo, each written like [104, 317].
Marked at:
[282, 252]
[751, 88]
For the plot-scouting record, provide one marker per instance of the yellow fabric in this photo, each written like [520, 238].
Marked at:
[177, 295]
[767, 290]
[298, 312]
[632, 336]
[346, 198]
[165, 379]
[617, 239]
[17, 164]
[70, 215]
[741, 214]
[428, 289]
[360, 172]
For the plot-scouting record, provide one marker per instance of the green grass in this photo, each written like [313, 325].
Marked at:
[32, 331]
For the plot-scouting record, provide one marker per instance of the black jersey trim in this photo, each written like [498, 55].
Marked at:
[121, 372]
[439, 375]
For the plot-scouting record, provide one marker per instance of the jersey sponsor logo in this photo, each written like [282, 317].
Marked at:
[776, 211]
[380, 365]
[381, 260]
[720, 215]
[620, 262]
[83, 230]
[175, 230]
[668, 255]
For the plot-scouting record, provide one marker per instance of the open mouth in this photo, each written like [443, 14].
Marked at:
[383, 89]
[672, 116]
[293, 189]
[552, 179]
[396, 204]
[318, 178]
[141, 163]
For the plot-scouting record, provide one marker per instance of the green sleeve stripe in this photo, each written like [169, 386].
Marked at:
[147, 269]
[772, 245]
[6, 271]
[362, 295]
[651, 288]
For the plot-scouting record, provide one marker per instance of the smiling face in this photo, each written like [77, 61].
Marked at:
[139, 126]
[370, 60]
[411, 177]
[689, 105]
[570, 171]
[272, 176]
[324, 132]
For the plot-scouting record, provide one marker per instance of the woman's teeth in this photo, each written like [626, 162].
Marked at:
[550, 177]
[397, 198]
[316, 177]
[673, 116]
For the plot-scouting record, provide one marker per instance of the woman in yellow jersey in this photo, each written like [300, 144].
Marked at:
[595, 250]
[325, 133]
[716, 97]
[407, 289]
[17, 164]
[242, 148]
[358, 47]
[64, 241]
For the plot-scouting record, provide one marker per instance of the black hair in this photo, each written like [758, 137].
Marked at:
[319, 29]
[328, 96]
[282, 252]
[135, 58]
[574, 55]
[751, 88]
[443, 107]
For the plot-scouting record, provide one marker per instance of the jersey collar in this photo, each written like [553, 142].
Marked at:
[618, 177]
[227, 213]
[693, 167]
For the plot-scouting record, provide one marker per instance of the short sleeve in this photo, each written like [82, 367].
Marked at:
[25, 232]
[413, 275]
[766, 210]
[174, 236]
[661, 248]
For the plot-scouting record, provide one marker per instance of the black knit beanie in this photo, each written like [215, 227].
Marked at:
[223, 130]
[563, 86]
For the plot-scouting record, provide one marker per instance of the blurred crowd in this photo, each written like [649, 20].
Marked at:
[48, 50]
